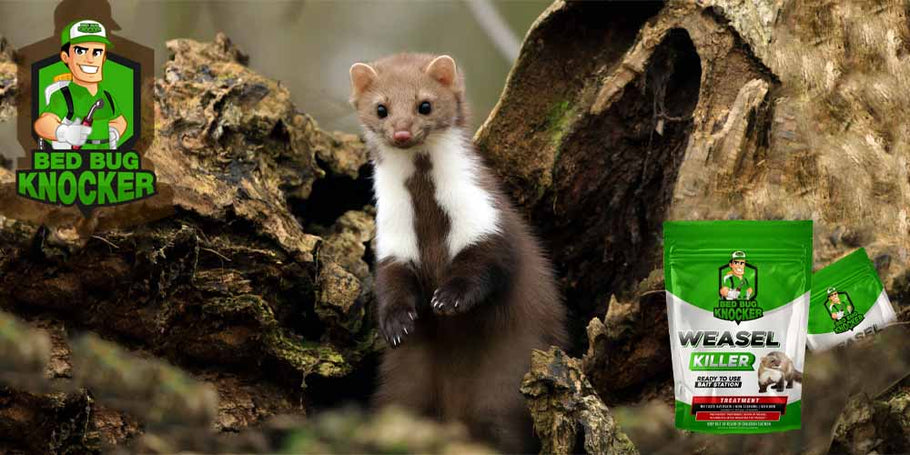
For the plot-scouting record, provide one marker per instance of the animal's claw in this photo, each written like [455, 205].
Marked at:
[396, 323]
[451, 298]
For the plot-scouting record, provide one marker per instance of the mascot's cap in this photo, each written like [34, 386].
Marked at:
[84, 31]
[832, 290]
[738, 255]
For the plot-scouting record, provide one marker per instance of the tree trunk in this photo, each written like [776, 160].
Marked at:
[618, 116]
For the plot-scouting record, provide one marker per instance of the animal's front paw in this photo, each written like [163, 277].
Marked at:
[453, 297]
[396, 322]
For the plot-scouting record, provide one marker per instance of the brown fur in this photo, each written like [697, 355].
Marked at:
[400, 83]
[460, 362]
[780, 362]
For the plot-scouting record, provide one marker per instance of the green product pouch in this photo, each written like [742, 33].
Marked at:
[848, 302]
[738, 306]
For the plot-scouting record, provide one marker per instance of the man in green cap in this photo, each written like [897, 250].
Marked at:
[837, 308]
[735, 283]
[70, 99]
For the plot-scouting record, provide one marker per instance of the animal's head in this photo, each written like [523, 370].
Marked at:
[403, 99]
[773, 360]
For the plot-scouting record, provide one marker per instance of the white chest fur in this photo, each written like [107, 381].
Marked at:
[470, 208]
[769, 375]
[395, 235]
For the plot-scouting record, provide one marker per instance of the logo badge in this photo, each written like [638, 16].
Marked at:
[89, 27]
[843, 313]
[86, 110]
[738, 289]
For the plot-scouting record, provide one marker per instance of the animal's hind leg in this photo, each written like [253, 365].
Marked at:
[406, 380]
[508, 425]
[498, 412]
[780, 385]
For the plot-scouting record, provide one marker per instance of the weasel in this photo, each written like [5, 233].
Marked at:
[777, 368]
[463, 289]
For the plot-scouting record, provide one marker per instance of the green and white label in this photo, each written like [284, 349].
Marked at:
[721, 361]
[738, 305]
[848, 302]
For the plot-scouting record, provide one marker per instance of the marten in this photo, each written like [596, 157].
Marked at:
[463, 289]
[777, 368]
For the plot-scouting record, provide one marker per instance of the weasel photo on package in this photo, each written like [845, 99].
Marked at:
[737, 303]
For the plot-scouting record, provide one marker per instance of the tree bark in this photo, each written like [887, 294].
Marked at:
[618, 116]
[222, 273]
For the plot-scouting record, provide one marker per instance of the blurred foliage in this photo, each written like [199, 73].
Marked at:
[387, 431]
[24, 352]
[155, 391]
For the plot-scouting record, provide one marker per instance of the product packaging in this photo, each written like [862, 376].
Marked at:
[738, 303]
[848, 302]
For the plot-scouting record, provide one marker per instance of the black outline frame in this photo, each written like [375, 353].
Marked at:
[849, 301]
[720, 282]
[124, 147]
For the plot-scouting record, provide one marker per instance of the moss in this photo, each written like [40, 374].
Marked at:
[321, 359]
[305, 357]
[558, 122]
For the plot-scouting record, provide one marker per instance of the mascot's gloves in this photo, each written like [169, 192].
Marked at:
[113, 137]
[73, 132]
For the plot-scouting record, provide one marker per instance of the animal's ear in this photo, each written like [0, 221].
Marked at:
[362, 75]
[442, 69]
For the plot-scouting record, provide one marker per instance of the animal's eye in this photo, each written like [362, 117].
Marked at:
[97, 52]
[425, 108]
[381, 111]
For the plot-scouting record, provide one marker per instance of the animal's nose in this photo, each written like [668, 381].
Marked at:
[402, 136]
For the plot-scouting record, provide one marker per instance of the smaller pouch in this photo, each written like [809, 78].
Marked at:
[848, 303]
